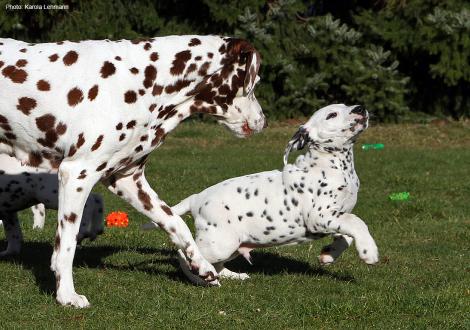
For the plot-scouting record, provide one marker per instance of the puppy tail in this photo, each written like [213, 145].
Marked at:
[179, 209]
[184, 206]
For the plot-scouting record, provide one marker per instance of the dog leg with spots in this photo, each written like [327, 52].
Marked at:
[71, 204]
[333, 251]
[136, 190]
[13, 234]
[351, 225]
[39, 216]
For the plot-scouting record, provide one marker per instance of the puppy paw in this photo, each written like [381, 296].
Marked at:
[325, 259]
[369, 253]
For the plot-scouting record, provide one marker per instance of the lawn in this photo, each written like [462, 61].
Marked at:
[133, 281]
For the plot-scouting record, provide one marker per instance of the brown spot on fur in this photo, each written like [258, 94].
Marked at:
[122, 137]
[107, 69]
[147, 46]
[150, 76]
[61, 128]
[53, 57]
[130, 97]
[18, 76]
[23, 50]
[154, 56]
[72, 151]
[157, 90]
[80, 141]
[34, 159]
[93, 92]
[119, 126]
[118, 58]
[45, 122]
[43, 85]
[191, 68]
[152, 107]
[177, 86]
[194, 42]
[1, 63]
[159, 135]
[203, 69]
[21, 63]
[97, 143]
[26, 104]
[144, 198]
[70, 58]
[101, 167]
[166, 209]
[71, 218]
[134, 70]
[141, 92]
[74, 96]
[179, 63]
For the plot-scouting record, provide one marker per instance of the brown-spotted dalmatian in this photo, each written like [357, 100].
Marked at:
[22, 186]
[94, 110]
[305, 201]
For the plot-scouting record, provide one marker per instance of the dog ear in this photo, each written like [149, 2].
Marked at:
[298, 142]
[251, 71]
[247, 54]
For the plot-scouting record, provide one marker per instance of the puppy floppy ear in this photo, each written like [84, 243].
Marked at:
[298, 142]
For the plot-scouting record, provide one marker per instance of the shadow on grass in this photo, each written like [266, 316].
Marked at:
[35, 256]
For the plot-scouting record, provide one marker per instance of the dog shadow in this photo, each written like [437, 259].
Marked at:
[268, 263]
[35, 257]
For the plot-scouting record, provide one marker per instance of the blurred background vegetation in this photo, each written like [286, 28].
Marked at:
[406, 60]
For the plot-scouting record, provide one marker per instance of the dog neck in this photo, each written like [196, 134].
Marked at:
[337, 158]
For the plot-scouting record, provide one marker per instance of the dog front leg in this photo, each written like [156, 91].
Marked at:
[136, 190]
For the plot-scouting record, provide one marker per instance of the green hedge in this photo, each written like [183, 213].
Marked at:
[400, 58]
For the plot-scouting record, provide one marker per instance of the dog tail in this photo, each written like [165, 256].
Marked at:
[179, 209]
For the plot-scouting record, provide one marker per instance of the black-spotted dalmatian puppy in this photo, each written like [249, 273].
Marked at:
[23, 186]
[94, 110]
[307, 200]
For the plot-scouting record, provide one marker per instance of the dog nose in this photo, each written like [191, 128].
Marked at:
[359, 110]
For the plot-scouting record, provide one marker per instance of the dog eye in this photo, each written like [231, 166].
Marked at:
[331, 115]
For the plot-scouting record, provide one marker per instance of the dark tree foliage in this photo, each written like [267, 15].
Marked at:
[400, 58]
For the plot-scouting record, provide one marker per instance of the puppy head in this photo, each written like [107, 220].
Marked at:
[332, 127]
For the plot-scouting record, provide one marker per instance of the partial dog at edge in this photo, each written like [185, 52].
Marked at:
[23, 186]
[307, 200]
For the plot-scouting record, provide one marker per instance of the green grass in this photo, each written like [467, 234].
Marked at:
[133, 281]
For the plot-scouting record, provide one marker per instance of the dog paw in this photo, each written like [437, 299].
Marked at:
[325, 259]
[205, 270]
[72, 299]
[225, 273]
[369, 253]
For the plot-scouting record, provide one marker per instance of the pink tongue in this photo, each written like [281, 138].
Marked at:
[245, 252]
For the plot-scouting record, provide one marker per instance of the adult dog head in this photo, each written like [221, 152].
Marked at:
[228, 93]
[331, 128]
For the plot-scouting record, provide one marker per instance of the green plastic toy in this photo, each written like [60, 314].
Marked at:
[401, 196]
[372, 146]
